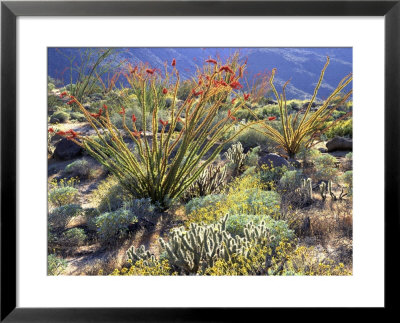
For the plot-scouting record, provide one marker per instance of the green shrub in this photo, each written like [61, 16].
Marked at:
[60, 216]
[77, 116]
[347, 178]
[340, 129]
[252, 157]
[59, 117]
[200, 202]
[291, 180]
[325, 168]
[74, 237]
[111, 225]
[63, 195]
[109, 195]
[251, 138]
[279, 229]
[270, 111]
[55, 265]
[78, 168]
[271, 175]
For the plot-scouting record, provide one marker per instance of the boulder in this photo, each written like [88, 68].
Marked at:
[67, 149]
[340, 143]
[273, 160]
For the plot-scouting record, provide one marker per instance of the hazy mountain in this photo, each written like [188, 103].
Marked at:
[301, 65]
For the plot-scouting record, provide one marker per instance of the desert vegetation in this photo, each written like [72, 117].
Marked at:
[150, 173]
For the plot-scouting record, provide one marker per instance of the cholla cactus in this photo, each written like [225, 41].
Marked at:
[141, 253]
[199, 247]
[323, 190]
[306, 186]
[333, 196]
[236, 156]
[210, 181]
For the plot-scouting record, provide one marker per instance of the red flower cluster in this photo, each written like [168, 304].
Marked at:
[151, 71]
[105, 107]
[137, 133]
[212, 61]
[233, 100]
[173, 62]
[97, 115]
[70, 132]
[122, 111]
[51, 130]
[134, 70]
[196, 93]
[221, 82]
[164, 91]
[236, 85]
[164, 123]
[226, 68]
[231, 116]
[246, 96]
[133, 118]
[271, 118]
[63, 94]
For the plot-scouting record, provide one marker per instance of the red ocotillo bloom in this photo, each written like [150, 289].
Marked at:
[196, 93]
[222, 82]
[71, 101]
[164, 123]
[212, 61]
[236, 85]
[150, 71]
[60, 133]
[226, 68]
[72, 133]
[164, 91]
[63, 94]
[51, 130]
[122, 111]
[246, 96]
[271, 118]
[133, 118]
[233, 100]
[231, 116]
[173, 62]
[105, 107]
[134, 70]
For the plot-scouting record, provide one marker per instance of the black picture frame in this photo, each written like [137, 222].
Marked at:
[10, 10]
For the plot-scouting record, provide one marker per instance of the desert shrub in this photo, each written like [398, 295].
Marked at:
[112, 225]
[340, 129]
[74, 237]
[143, 268]
[141, 208]
[347, 178]
[63, 195]
[236, 223]
[245, 196]
[79, 168]
[200, 202]
[271, 175]
[251, 137]
[270, 111]
[77, 116]
[59, 117]
[252, 157]
[348, 162]
[60, 216]
[325, 168]
[109, 195]
[308, 155]
[291, 180]
[55, 265]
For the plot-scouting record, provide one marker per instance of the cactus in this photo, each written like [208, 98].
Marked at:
[141, 254]
[333, 196]
[210, 181]
[323, 190]
[236, 156]
[199, 247]
[306, 187]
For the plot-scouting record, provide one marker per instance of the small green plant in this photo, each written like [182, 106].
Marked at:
[55, 265]
[291, 180]
[347, 178]
[59, 117]
[63, 192]
[342, 128]
[74, 237]
[112, 225]
[79, 168]
[109, 195]
[325, 168]
[60, 216]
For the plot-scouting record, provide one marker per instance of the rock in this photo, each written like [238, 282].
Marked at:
[271, 102]
[339, 143]
[67, 149]
[323, 150]
[313, 105]
[273, 160]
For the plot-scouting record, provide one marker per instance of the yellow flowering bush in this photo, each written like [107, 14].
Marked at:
[144, 268]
